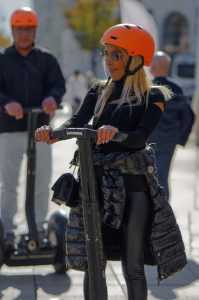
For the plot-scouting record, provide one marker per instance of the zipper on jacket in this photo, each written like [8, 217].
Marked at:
[26, 87]
[160, 277]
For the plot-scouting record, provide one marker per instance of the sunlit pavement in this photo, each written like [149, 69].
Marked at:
[41, 283]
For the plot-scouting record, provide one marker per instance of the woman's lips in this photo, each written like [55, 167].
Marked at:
[112, 70]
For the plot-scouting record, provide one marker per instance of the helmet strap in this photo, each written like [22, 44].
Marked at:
[107, 82]
[132, 72]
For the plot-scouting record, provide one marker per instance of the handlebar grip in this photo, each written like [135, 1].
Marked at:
[82, 133]
[59, 134]
[37, 110]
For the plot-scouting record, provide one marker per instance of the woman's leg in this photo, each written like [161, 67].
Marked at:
[134, 231]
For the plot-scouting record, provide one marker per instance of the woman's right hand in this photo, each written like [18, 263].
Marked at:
[42, 134]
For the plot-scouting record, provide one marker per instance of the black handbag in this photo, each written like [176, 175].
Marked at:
[66, 190]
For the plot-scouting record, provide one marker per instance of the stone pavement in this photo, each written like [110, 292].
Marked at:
[41, 283]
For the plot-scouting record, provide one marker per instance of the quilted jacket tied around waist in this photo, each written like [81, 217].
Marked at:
[165, 245]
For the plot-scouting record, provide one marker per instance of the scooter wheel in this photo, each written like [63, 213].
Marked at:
[56, 235]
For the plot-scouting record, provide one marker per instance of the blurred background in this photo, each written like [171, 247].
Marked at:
[71, 29]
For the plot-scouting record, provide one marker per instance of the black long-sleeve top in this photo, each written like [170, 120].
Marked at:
[138, 121]
[28, 80]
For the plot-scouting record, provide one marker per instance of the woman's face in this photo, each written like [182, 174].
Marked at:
[114, 61]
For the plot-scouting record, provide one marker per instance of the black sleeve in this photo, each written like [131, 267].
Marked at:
[176, 89]
[85, 112]
[148, 123]
[4, 99]
[187, 118]
[54, 79]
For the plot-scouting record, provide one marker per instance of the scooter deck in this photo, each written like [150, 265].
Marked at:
[23, 255]
[41, 257]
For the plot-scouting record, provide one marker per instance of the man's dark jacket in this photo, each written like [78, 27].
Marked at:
[178, 118]
[28, 80]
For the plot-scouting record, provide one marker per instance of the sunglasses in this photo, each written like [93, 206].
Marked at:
[114, 55]
[28, 29]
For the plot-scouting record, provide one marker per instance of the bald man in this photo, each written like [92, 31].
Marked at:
[160, 65]
[176, 123]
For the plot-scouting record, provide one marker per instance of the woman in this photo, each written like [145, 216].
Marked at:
[126, 102]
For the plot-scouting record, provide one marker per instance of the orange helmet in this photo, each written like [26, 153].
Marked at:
[24, 16]
[134, 39]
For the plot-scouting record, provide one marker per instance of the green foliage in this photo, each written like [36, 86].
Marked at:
[4, 41]
[90, 18]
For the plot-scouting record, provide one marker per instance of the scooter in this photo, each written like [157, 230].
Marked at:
[30, 248]
[90, 206]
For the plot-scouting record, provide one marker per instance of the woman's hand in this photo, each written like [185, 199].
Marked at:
[105, 133]
[42, 134]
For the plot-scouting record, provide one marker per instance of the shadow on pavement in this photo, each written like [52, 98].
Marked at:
[167, 289]
[27, 286]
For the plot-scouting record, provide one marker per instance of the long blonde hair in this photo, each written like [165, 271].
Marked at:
[135, 86]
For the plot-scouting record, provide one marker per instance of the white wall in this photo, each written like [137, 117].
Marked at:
[6, 9]
[186, 7]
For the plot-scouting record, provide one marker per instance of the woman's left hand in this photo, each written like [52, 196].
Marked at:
[105, 133]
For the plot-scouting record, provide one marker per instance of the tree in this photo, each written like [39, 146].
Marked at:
[4, 41]
[89, 19]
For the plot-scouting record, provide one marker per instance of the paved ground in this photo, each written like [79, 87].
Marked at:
[41, 283]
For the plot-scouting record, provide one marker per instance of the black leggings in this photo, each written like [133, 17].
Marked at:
[134, 229]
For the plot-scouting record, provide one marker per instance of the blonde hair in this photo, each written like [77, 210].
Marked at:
[135, 86]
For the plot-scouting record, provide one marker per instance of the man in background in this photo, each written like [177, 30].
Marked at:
[176, 123]
[29, 77]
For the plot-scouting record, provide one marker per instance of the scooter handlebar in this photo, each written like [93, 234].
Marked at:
[34, 110]
[37, 110]
[83, 133]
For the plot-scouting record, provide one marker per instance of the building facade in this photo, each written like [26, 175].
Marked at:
[54, 35]
[177, 23]
[178, 31]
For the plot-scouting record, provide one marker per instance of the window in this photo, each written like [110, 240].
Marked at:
[176, 34]
[186, 70]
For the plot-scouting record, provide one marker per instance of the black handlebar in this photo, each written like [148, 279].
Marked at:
[37, 110]
[82, 133]
[33, 110]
